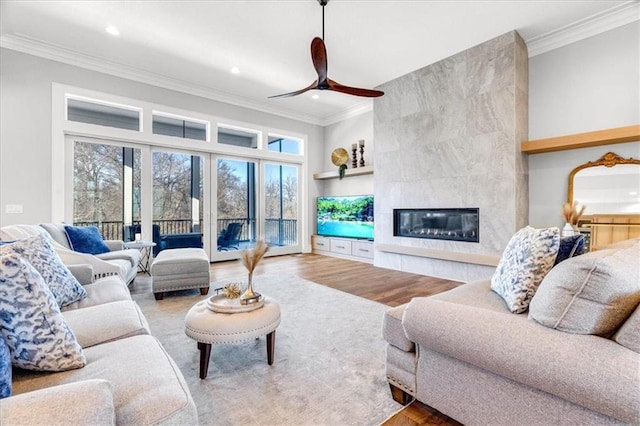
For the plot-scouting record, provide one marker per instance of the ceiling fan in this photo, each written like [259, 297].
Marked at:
[319, 58]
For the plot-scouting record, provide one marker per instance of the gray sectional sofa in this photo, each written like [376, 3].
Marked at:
[117, 260]
[464, 353]
[128, 378]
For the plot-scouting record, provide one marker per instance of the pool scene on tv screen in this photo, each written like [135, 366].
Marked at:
[346, 216]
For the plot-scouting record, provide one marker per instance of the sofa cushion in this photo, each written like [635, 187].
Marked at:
[86, 239]
[130, 255]
[58, 233]
[590, 294]
[476, 293]
[39, 251]
[5, 369]
[89, 402]
[570, 246]
[103, 290]
[31, 322]
[528, 257]
[629, 334]
[106, 322]
[148, 388]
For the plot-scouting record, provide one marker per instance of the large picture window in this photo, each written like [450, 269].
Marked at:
[140, 169]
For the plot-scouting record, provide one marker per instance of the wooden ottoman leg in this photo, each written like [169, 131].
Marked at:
[205, 354]
[204, 291]
[159, 295]
[271, 344]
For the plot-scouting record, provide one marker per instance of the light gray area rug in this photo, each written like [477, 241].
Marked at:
[329, 365]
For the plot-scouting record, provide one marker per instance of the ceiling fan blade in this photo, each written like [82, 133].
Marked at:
[313, 85]
[319, 58]
[368, 93]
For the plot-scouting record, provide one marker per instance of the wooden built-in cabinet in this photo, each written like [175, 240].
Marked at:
[346, 248]
[605, 229]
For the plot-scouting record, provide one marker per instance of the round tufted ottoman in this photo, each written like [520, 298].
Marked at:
[207, 327]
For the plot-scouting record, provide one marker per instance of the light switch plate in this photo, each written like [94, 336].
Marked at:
[13, 208]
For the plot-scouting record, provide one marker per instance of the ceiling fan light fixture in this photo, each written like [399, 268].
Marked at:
[319, 59]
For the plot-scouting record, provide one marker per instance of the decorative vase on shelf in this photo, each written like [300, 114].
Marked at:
[569, 230]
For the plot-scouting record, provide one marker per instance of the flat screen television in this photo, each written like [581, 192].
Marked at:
[346, 216]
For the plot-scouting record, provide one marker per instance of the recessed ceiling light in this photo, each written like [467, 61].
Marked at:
[316, 96]
[633, 193]
[235, 70]
[112, 30]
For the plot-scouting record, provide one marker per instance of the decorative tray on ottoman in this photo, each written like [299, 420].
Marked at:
[220, 303]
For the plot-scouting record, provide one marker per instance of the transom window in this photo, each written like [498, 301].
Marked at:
[180, 127]
[121, 117]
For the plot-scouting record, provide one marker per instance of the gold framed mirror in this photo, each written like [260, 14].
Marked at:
[610, 189]
[604, 188]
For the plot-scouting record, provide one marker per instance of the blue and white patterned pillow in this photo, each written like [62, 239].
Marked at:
[39, 251]
[5, 369]
[529, 256]
[31, 323]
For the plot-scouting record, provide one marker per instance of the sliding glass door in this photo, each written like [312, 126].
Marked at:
[177, 200]
[255, 200]
[281, 205]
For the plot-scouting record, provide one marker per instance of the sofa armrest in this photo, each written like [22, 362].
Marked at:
[570, 366]
[100, 267]
[114, 245]
[82, 272]
[86, 402]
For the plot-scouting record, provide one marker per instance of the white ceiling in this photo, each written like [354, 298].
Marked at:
[192, 45]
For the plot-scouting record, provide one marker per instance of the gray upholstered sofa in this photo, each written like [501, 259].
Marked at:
[465, 354]
[128, 378]
[118, 261]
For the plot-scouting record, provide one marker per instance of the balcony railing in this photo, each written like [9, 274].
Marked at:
[278, 232]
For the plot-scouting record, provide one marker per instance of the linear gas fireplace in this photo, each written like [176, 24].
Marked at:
[437, 224]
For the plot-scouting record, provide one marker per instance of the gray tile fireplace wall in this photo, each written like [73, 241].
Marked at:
[448, 136]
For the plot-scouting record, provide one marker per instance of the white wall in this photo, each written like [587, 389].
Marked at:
[25, 127]
[342, 135]
[589, 85]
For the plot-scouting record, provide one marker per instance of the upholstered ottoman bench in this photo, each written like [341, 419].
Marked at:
[208, 328]
[180, 269]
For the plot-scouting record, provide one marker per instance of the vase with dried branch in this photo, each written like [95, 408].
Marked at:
[571, 214]
[250, 259]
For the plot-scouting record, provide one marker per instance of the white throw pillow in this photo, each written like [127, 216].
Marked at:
[529, 256]
[31, 323]
[39, 252]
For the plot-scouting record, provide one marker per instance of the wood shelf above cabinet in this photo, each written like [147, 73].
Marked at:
[583, 140]
[366, 170]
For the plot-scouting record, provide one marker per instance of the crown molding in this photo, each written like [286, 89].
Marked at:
[593, 25]
[615, 17]
[58, 53]
[354, 111]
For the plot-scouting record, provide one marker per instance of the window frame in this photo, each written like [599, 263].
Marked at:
[146, 140]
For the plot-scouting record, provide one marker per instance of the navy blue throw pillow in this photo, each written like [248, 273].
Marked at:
[569, 247]
[86, 239]
[5, 369]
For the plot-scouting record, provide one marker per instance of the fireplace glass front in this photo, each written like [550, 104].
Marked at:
[438, 224]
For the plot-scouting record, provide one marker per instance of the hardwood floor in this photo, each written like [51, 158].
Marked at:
[386, 286]
[382, 285]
